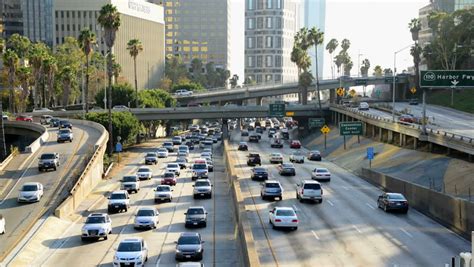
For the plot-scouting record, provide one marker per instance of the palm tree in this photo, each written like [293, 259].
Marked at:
[378, 71]
[317, 38]
[12, 62]
[116, 69]
[36, 55]
[67, 76]
[109, 19]
[364, 69]
[50, 68]
[3, 147]
[348, 67]
[415, 27]
[331, 47]
[302, 60]
[339, 60]
[345, 44]
[24, 75]
[134, 47]
[86, 41]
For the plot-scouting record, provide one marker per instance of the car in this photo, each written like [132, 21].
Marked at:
[413, 101]
[30, 192]
[309, 190]
[131, 252]
[63, 124]
[206, 154]
[36, 110]
[169, 178]
[189, 247]
[190, 144]
[48, 161]
[162, 152]
[2, 224]
[271, 189]
[243, 146]
[146, 218]
[406, 118]
[210, 164]
[285, 135]
[286, 169]
[163, 192]
[169, 146]
[54, 122]
[183, 149]
[271, 132]
[259, 173]
[151, 158]
[97, 225]
[144, 173]
[118, 201]
[183, 92]
[45, 119]
[253, 159]
[190, 264]
[206, 143]
[295, 144]
[182, 162]
[253, 138]
[195, 216]
[259, 130]
[207, 150]
[24, 118]
[276, 158]
[5, 117]
[321, 174]
[363, 106]
[393, 201]
[131, 183]
[314, 155]
[283, 217]
[244, 133]
[65, 135]
[177, 140]
[173, 167]
[297, 157]
[202, 188]
[250, 128]
[200, 169]
[120, 108]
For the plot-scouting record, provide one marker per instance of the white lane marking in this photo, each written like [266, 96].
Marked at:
[370, 206]
[406, 232]
[345, 188]
[158, 262]
[330, 203]
[17, 181]
[358, 230]
[315, 235]
[294, 207]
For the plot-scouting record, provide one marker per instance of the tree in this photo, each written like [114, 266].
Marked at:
[175, 69]
[165, 83]
[415, 27]
[122, 94]
[331, 47]
[345, 44]
[11, 61]
[134, 47]
[50, 68]
[377, 71]
[387, 72]
[116, 70]
[125, 124]
[68, 55]
[109, 19]
[364, 69]
[249, 81]
[348, 64]
[156, 98]
[87, 40]
[19, 44]
[3, 148]
[416, 51]
[339, 60]
[234, 81]
[67, 77]
[24, 75]
[211, 75]
[196, 68]
[299, 55]
[223, 76]
[317, 38]
[36, 55]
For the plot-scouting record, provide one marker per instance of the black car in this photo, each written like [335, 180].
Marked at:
[195, 216]
[182, 161]
[250, 128]
[190, 144]
[253, 159]
[259, 130]
[314, 155]
[244, 133]
[253, 139]
[413, 101]
[54, 122]
[259, 174]
[243, 146]
[189, 247]
[65, 124]
[287, 169]
[393, 201]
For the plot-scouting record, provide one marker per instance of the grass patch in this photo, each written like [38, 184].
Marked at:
[463, 99]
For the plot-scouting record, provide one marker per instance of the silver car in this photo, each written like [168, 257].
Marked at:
[146, 218]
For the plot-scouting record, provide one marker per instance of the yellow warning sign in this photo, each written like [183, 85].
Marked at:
[413, 90]
[340, 91]
[352, 92]
[325, 129]
[290, 113]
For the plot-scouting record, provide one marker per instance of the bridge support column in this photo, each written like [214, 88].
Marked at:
[390, 137]
[415, 143]
[374, 131]
[332, 96]
[239, 102]
[469, 158]
[402, 136]
[258, 101]
[430, 147]
[448, 151]
[225, 129]
[380, 134]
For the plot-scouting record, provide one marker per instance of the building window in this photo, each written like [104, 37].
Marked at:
[277, 42]
[269, 22]
[268, 78]
[250, 62]
[259, 61]
[268, 61]
[259, 78]
[278, 4]
[250, 42]
[269, 4]
[260, 42]
[250, 4]
[269, 42]
[260, 23]
[278, 23]
[278, 78]
[251, 23]
[277, 61]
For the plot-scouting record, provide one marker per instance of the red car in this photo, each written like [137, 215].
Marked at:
[24, 118]
[169, 178]
[295, 144]
[407, 119]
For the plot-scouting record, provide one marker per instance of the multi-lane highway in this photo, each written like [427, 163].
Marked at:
[220, 248]
[347, 229]
[20, 217]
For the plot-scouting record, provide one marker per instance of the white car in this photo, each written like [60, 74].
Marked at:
[121, 108]
[321, 174]
[169, 146]
[297, 157]
[31, 192]
[144, 173]
[162, 152]
[118, 201]
[130, 183]
[276, 158]
[207, 149]
[177, 140]
[2, 224]
[131, 252]
[163, 192]
[206, 155]
[202, 188]
[146, 218]
[283, 217]
[97, 225]
[173, 167]
[363, 106]
[42, 110]
[183, 92]
[309, 190]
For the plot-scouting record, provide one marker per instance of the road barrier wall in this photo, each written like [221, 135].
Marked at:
[90, 177]
[249, 251]
[33, 127]
[455, 213]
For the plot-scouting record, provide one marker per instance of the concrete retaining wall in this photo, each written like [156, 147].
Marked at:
[32, 127]
[454, 213]
[249, 251]
[90, 177]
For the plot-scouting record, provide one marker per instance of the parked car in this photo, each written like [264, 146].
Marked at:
[321, 174]
[295, 144]
[24, 118]
[393, 201]
[45, 119]
[189, 247]
[284, 217]
[97, 225]
[259, 173]
[202, 188]
[146, 218]
[169, 178]
[253, 159]
[271, 189]
[314, 155]
[63, 124]
[276, 158]
[2, 224]
[243, 146]
[30, 192]
[144, 173]
[286, 169]
[309, 190]
[48, 161]
[65, 135]
[363, 106]
[276, 142]
[163, 192]
[131, 183]
[131, 252]
[195, 216]
[118, 201]
[297, 157]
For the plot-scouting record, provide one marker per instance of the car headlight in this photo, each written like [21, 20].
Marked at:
[116, 258]
[178, 251]
[198, 250]
[139, 258]
[84, 231]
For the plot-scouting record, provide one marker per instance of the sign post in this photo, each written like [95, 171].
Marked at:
[325, 130]
[277, 110]
[350, 128]
[370, 155]
[118, 147]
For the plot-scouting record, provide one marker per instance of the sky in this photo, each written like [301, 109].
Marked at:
[376, 29]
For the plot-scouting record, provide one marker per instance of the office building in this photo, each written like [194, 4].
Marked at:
[270, 27]
[38, 20]
[315, 16]
[12, 18]
[462, 4]
[139, 20]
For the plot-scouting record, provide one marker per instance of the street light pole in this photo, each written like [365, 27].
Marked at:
[394, 79]
[358, 63]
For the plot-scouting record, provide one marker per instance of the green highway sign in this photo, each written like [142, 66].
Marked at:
[390, 79]
[277, 110]
[361, 82]
[350, 128]
[447, 78]
[316, 122]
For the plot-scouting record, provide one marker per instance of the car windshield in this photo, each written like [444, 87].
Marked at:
[314, 152]
[163, 189]
[260, 170]
[145, 213]
[188, 240]
[285, 213]
[118, 196]
[143, 170]
[168, 175]
[129, 247]
[199, 166]
[396, 197]
[167, 144]
[64, 132]
[162, 150]
[47, 156]
[151, 155]
[203, 183]
[64, 122]
[95, 219]
[312, 186]
[195, 211]
[173, 165]
[272, 185]
[286, 165]
[129, 179]
[276, 155]
[29, 188]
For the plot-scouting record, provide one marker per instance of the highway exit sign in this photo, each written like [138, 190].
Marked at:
[447, 78]
[277, 110]
[350, 128]
[316, 122]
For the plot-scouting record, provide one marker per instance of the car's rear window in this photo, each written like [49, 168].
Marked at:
[195, 211]
[312, 186]
[285, 213]
[129, 179]
[321, 170]
[400, 197]
[47, 156]
[272, 185]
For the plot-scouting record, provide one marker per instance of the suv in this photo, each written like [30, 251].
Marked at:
[202, 188]
[200, 170]
[144, 173]
[130, 183]
[253, 159]
[271, 189]
[48, 161]
[65, 135]
[65, 124]
[189, 247]
[259, 173]
[97, 225]
[297, 157]
[276, 143]
[118, 201]
[195, 216]
[131, 252]
[45, 119]
[309, 190]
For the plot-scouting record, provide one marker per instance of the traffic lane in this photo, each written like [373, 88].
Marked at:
[18, 215]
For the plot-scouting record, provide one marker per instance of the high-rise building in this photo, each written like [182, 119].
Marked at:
[461, 4]
[270, 26]
[139, 20]
[315, 16]
[38, 20]
[12, 17]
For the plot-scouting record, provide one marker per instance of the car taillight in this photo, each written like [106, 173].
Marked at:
[277, 220]
[302, 191]
[295, 220]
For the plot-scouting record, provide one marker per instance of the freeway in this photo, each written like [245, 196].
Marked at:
[347, 229]
[20, 217]
[221, 247]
